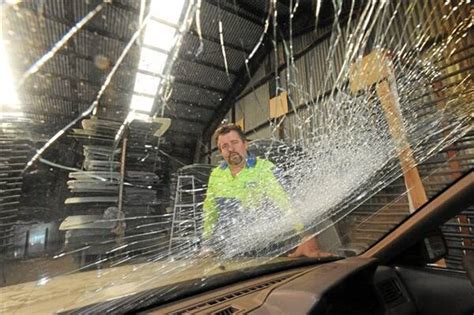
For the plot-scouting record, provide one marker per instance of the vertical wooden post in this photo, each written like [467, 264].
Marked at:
[279, 107]
[375, 68]
[389, 100]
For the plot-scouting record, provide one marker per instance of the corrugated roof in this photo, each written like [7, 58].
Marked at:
[186, 93]
[248, 33]
[70, 81]
[201, 74]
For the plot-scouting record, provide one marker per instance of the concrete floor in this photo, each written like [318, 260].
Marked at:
[20, 271]
[71, 291]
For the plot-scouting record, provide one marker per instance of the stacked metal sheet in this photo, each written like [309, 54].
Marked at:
[101, 178]
[96, 186]
[99, 182]
[89, 182]
[139, 189]
[97, 131]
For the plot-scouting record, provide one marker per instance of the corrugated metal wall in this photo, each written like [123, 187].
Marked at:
[315, 72]
[403, 26]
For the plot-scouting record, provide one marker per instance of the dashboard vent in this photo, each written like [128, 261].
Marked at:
[227, 311]
[225, 298]
[391, 293]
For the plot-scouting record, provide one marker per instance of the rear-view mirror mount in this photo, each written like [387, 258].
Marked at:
[434, 247]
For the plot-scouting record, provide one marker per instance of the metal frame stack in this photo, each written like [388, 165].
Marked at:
[105, 169]
[15, 148]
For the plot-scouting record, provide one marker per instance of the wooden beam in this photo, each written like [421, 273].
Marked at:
[376, 68]
[373, 68]
[279, 105]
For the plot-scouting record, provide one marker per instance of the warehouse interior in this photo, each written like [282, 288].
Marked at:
[115, 102]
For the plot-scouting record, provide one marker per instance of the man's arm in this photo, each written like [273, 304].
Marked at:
[279, 196]
[209, 210]
[309, 246]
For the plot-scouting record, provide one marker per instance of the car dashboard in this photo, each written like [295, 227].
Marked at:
[349, 286]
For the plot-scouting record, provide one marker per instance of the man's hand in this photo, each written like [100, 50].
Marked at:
[309, 248]
[206, 252]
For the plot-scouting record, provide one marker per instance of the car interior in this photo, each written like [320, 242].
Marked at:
[236, 157]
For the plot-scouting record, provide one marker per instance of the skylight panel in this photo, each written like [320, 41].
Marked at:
[159, 35]
[142, 103]
[8, 96]
[169, 11]
[151, 60]
[146, 84]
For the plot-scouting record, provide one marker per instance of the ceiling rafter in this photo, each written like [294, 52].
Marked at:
[200, 86]
[186, 119]
[240, 11]
[217, 41]
[86, 27]
[206, 64]
[193, 104]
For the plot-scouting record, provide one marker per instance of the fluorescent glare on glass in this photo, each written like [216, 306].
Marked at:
[146, 84]
[167, 10]
[8, 96]
[138, 116]
[151, 60]
[142, 103]
[9, 114]
[159, 35]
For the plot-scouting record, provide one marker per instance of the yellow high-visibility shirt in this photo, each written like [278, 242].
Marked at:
[253, 185]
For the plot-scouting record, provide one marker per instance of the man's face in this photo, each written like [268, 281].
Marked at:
[232, 148]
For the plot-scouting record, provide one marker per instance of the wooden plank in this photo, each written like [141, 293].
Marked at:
[371, 69]
[279, 105]
[375, 68]
[241, 123]
[389, 100]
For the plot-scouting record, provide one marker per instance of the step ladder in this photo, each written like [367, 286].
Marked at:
[183, 235]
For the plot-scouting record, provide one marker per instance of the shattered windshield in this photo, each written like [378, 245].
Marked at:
[146, 143]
